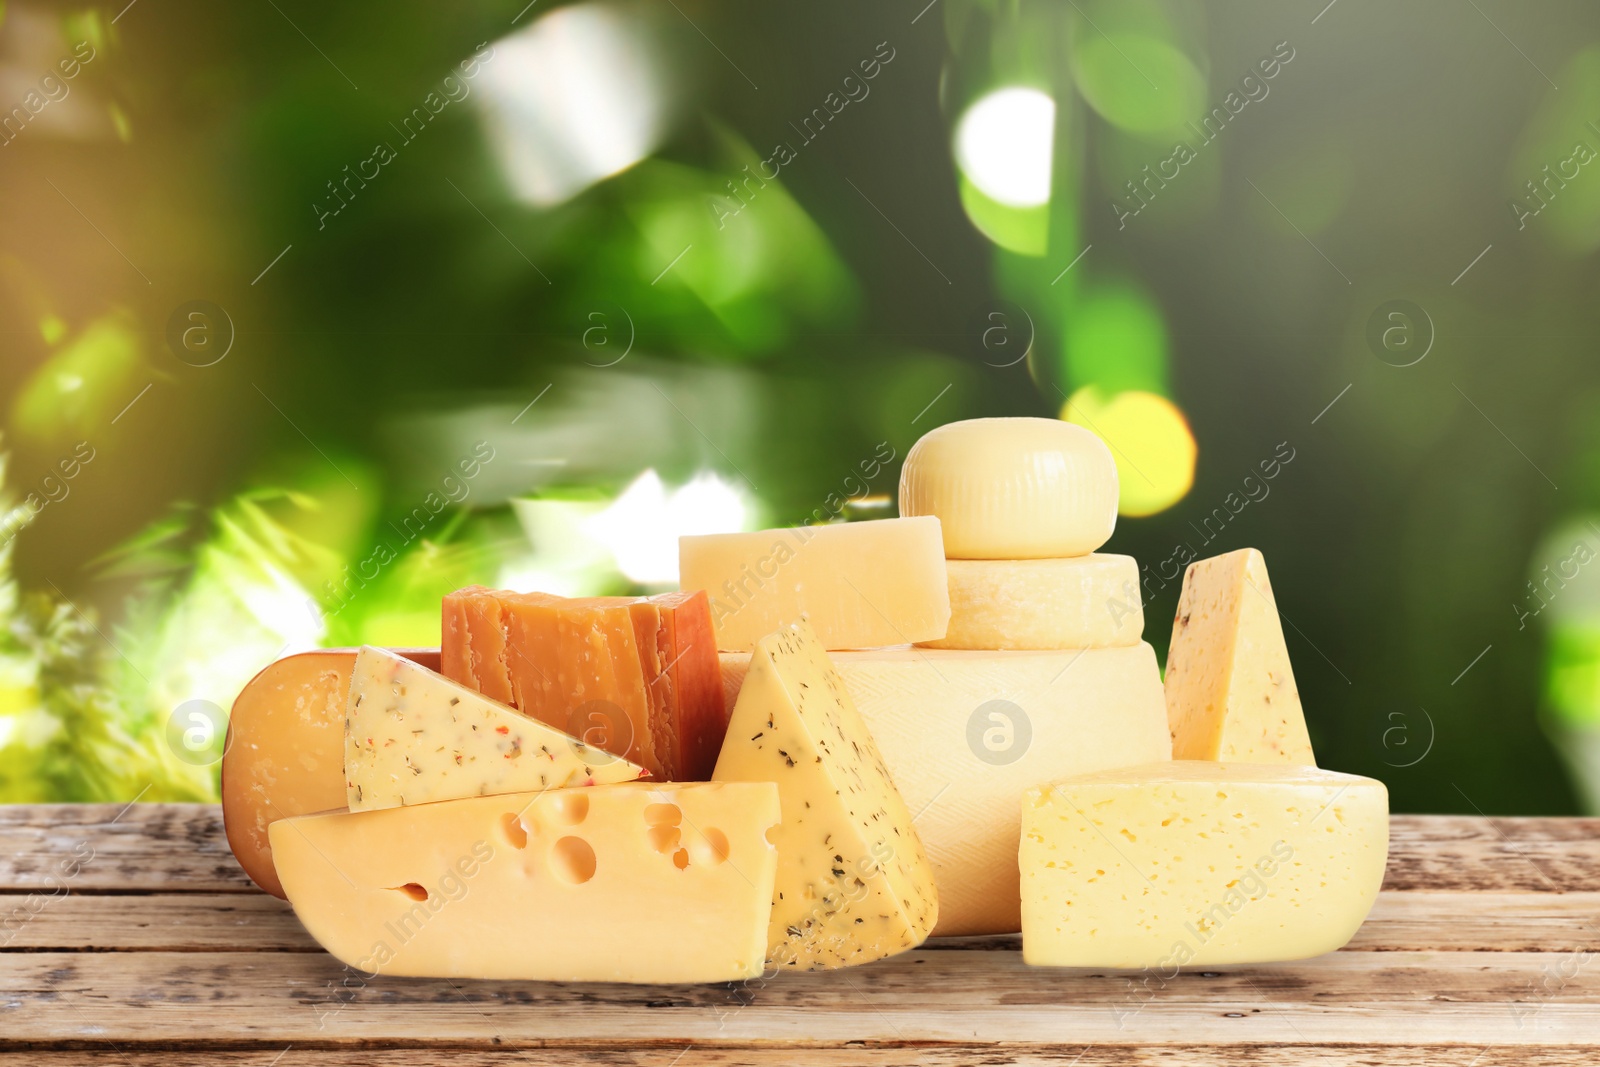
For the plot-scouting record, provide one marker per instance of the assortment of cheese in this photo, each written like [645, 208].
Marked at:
[837, 741]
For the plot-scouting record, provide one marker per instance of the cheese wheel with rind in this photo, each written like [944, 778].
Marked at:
[1013, 488]
[1088, 601]
[285, 750]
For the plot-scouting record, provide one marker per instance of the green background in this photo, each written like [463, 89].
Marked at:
[850, 303]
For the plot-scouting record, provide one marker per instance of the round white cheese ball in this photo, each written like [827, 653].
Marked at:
[1013, 488]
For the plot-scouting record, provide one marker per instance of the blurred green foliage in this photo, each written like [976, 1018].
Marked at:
[692, 310]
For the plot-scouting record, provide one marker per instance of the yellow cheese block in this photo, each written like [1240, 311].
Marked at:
[412, 736]
[1230, 690]
[854, 883]
[859, 584]
[1192, 862]
[1088, 601]
[638, 882]
[1013, 488]
[964, 733]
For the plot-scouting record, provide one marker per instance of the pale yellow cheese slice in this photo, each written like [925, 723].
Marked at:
[639, 882]
[1088, 601]
[854, 883]
[859, 584]
[1194, 862]
[1229, 687]
[413, 736]
[1013, 488]
[965, 732]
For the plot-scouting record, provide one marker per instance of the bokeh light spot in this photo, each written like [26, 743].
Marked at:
[1003, 145]
[1150, 441]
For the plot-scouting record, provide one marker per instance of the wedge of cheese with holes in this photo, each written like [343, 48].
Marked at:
[412, 736]
[859, 584]
[1193, 862]
[1088, 601]
[1229, 687]
[964, 733]
[854, 883]
[622, 883]
[285, 750]
[636, 676]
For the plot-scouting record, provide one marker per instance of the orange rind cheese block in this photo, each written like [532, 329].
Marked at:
[635, 676]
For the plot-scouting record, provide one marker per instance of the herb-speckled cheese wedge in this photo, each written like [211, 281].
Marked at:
[1230, 690]
[854, 883]
[412, 736]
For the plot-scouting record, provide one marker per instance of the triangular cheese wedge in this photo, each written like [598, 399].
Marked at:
[412, 736]
[1230, 690]
[854, 883]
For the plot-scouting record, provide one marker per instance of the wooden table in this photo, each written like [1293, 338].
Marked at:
[129, 935]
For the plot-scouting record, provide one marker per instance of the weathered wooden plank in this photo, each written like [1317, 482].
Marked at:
[1467, 852]
[88, 847]
[1368, 998]
[164, 922]
[1066, 1055]
[180, 847]
[191, 922]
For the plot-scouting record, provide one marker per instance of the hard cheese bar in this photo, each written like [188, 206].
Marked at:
[945, 723]
[634, 675]
[860, 583]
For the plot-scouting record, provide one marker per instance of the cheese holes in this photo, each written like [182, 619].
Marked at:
[680, 859]
[515, 830]
[663, 815]
[572, 806]
[662, 821]
[713, 849]
[572, 860]
[412, 890]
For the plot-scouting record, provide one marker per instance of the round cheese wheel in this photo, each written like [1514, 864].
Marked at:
[1015, 488]
[1088, 601]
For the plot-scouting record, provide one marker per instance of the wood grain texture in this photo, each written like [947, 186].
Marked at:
[129, 934]
[181, 848]
[238, 922]
[139, 847]
[925, 995]
[875, 1055]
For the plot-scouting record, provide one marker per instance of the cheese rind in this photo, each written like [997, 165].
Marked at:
[285, 750]
[854, 883]
[413, 736]
[858, 584]
[1013, 488]
[1088, 601]
[639, 882]
[1230, 690]
[1195, 863]
[965, 732]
